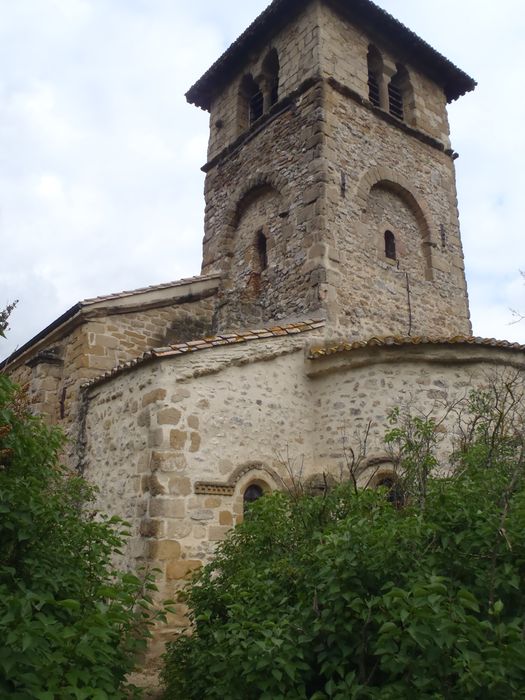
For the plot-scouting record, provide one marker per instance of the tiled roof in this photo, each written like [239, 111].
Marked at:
[391, 340]
[152, 288]
[79, 307]
[379, 22]
[211, 342]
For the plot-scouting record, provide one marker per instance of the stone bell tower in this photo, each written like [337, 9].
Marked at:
[330, 186]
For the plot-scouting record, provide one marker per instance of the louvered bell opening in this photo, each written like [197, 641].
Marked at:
[256, 106]
[395, 97]
[373, 90]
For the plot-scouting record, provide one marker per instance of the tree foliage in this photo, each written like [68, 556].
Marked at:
[69, 626]
[4, 318]
[347, 596]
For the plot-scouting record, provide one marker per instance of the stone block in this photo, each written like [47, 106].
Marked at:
[106, 341]
[178, 439]
[180, 394]
[193, 422]
[180, 485]
[201, 514]
[212, 502]
[178, 529]
[167, 507]
[168, 416]
[225, 518]
[182, 569]
[152, 528]
[162, 550]
[156, 438]
[153, 397]
[217, 533]
[154, 486]
[195, 442]
[144, 419]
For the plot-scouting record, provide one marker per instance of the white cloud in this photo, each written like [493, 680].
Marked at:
[100, 186]
[49, 187]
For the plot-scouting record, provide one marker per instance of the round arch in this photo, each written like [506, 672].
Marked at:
[255, 472]
[253, 479]
[399, 185]
[258, 184]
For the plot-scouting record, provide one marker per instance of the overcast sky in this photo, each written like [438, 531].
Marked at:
[100, 182]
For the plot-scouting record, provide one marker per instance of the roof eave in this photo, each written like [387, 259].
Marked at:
[453, 80]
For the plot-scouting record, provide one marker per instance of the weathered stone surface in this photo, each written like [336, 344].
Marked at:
[193, 422]
[164, 549]
[178, 439]
[152, 528]
[212, 502]
[217, 533]
[201, 514]
[168, 416]
[195, 442]
[167, 508]
[180, 486]
[225, 518]
[153, 396]
[155, 486]
[182, 569]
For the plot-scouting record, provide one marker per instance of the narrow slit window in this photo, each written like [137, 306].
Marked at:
[373, 90]
[390, 245]
[262, 251]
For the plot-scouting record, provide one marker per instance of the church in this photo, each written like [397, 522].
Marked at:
[332, 290]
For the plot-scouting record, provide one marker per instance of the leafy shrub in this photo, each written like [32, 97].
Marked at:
[348, 596]
[69, 626]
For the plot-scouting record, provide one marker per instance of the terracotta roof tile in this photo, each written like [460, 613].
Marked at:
[390, 340]
[210, 343]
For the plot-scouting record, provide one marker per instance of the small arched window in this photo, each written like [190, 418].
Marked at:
[261, 245]
[395, 494]
[251, 102]
[251, 494]
[375, 75]
[400, 96]
[390, 246]
[271, 74]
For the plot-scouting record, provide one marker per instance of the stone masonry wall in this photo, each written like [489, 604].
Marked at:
[97, 345]
[284, 157]
[392, 181]
[342, 172]
[297, 47]
[173, 444]
[356, 391]
[343, 57]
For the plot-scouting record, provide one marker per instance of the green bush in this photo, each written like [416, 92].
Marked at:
[348, 596]
[69, 626]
